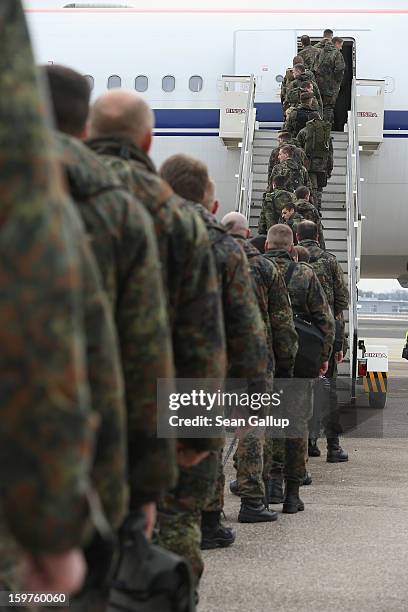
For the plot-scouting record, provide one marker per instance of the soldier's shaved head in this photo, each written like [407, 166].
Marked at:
[298, 59]
[307, 230]
[209, 200]
[305, 40]
[125, 114]
[70, 94]
[328, 34]
[280, 237]
[236, 223]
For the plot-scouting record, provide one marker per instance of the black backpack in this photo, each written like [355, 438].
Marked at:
[311, 339]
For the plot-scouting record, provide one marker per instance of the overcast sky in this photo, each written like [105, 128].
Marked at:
[380, 285]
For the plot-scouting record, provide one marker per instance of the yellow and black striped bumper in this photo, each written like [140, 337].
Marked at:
[376, 382]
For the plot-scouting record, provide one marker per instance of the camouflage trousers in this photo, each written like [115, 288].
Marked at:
[215, 500]
[318, 180]
[248, 461]
[329, 102]
[179, 512]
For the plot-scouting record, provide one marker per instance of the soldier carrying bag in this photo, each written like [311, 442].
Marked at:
[317, 144]
[311, 339]
[149, 578]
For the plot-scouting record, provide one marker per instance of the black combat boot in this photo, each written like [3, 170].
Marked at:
[213, 533]
[335, 454]
[274, 490]
[292, 502]
[255, 511]
[312, 449]
[307, 479]
[234, 488]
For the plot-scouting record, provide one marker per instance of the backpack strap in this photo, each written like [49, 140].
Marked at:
[289, 272]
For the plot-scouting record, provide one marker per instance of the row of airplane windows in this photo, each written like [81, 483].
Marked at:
[195, 82]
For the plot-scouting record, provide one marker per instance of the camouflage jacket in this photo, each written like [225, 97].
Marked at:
[309, 55]
[330, 275]
[47, 433]
[329, 69]
[274, 304]
[187, 264]
[293, 222]
[307, 297]
[297, 85]
[328, 166]
[288, 78]
[298, 118]
[310, 213]
[123, 241]
[272, 205]
[244, 329]
[299, 156]
[295, 175]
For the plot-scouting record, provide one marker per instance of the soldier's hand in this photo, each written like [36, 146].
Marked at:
[339, 357]
[323, 368]
[58, 573]
[150, 513]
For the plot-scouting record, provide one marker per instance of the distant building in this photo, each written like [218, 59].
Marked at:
[375, 306]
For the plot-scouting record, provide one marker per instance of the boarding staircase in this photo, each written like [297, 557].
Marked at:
[340, 203]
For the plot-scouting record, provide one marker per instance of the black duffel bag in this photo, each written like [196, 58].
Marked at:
[149, 578]
[311, 340]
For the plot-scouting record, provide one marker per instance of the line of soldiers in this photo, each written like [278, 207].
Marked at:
[304, 153]
[114, 276]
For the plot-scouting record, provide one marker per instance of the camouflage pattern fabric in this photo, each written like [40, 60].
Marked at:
[47, 432]
[310, 213]
[122, 238]
[309, 54]
[191, 280]
[298, 156]
[288, 78]
[298, 84]
[331, 276]
[293, 222]
[298, 118]
[307, 296]
[189, 274]
[295, 175]
[274, 304]
[320, 173]
[272, 205]
[329, 69]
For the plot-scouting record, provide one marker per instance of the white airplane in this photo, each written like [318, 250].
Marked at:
[176, 55]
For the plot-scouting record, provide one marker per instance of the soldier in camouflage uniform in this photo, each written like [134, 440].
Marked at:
[329, 69]
[47, 434]
[308, 53]
[190, 279]
[303, 80]
[309, 212]
[246, 342]
[300, 115]
[284, 138]
[320, 166]
[307, 297]
[123, 241]
[273, 203]
[274, 304]
[331, 277]
[288, 78]
[294, 174]
[294, 93]
[291, 218]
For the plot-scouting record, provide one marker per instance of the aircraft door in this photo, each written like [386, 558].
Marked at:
[266, 54]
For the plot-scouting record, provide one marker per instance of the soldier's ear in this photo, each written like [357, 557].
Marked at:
[215, 207]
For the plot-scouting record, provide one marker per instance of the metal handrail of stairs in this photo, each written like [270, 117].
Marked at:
[244, 187]
[354, 221]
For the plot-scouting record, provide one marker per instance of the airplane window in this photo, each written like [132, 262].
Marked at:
[90, 80]
[168, 83]
[141, 83]
[279, 78]
[114, 81]
[195, 83]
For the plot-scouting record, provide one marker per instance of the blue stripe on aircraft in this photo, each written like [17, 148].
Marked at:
[207, 118]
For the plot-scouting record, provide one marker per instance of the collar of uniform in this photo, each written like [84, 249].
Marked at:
[308, 243]
[123, 148]
[278, 254]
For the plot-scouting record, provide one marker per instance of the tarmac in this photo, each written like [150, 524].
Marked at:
[347, 551]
